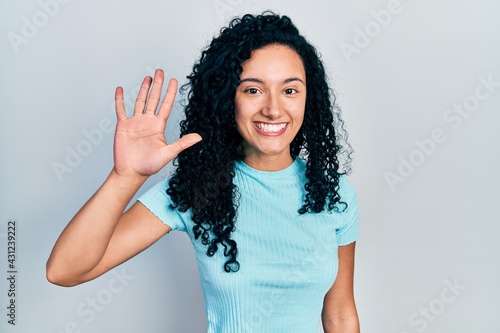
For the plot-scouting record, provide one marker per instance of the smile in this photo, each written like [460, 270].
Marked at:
[270, 128]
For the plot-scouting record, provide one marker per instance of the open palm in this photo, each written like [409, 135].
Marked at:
[140, 146]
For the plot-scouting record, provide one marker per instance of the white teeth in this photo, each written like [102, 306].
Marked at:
[271, 128]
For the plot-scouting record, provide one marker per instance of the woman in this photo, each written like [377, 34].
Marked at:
[262, 196]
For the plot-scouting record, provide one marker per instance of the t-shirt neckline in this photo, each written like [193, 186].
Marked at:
[284, 173]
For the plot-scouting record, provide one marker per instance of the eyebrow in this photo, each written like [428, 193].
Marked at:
[253, 79]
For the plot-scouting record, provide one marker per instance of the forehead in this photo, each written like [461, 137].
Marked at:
[274, 59]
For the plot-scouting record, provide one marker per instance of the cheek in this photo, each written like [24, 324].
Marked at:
[242, 113]
[239, 117]
[237, 113]
[297, 111]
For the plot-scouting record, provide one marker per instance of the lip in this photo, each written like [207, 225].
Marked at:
[268, 133]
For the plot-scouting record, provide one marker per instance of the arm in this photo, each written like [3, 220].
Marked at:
[100, 236]
[339, 309]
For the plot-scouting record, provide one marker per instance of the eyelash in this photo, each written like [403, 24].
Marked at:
[288, 91]
[252, 91]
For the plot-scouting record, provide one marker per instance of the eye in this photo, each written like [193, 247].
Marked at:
[252, 91]
[290, 91]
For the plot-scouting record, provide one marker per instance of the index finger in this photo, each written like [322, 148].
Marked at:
[169, 99]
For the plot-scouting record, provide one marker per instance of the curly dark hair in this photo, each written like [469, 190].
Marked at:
[203, 180]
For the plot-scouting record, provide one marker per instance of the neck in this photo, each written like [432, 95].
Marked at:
[268, 163]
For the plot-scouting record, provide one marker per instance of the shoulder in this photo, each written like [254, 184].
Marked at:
[160, 203]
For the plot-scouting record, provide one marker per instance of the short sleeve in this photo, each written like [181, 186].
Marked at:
[158, 202]
[349, 229]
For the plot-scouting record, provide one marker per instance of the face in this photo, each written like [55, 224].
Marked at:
[270, 102]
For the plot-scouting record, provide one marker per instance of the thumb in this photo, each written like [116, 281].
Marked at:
[173, 149]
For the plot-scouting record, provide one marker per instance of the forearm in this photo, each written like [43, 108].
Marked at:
[83, 242]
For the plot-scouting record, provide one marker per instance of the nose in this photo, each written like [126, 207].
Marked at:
[272, 108]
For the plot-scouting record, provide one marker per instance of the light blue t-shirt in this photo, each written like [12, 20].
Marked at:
[287, 261]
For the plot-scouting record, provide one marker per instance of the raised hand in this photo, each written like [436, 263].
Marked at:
[140, 148]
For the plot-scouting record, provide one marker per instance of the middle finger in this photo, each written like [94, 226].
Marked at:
[154, 95]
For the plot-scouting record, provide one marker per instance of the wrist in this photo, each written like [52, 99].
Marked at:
[126, 182]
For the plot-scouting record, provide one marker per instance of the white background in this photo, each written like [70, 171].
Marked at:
[434, 227]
